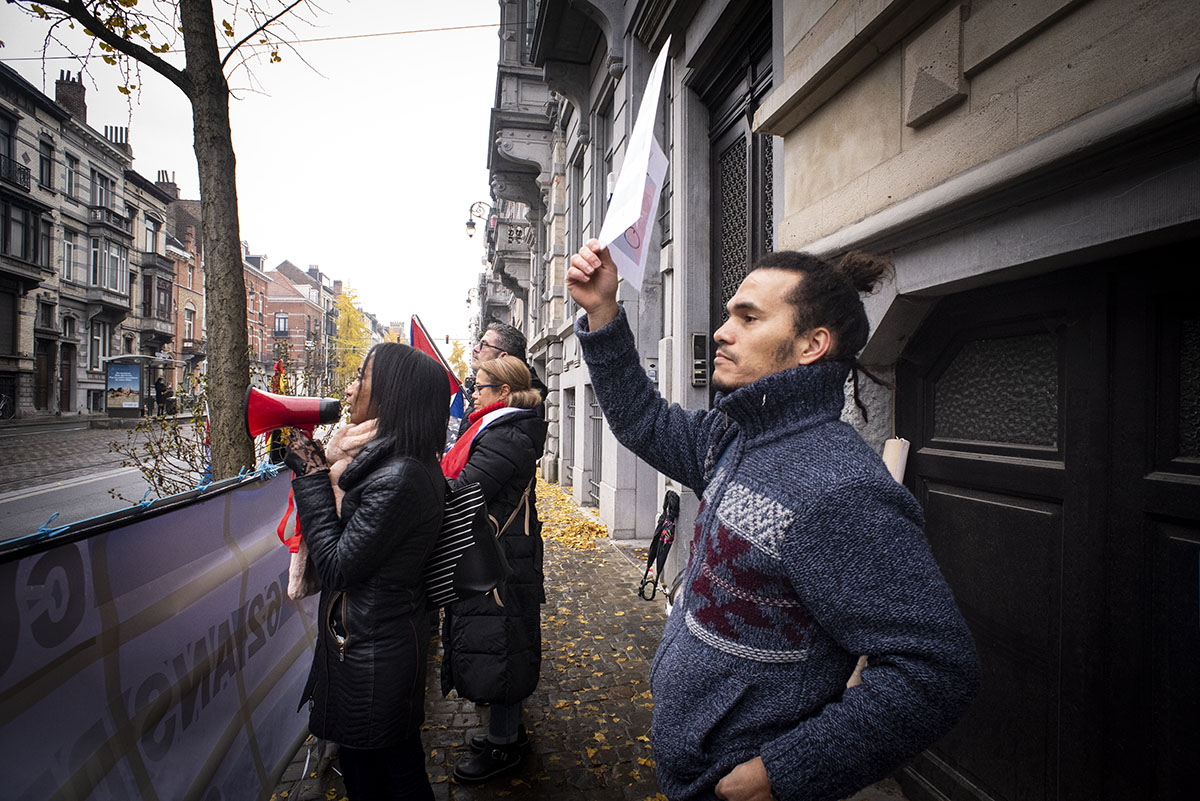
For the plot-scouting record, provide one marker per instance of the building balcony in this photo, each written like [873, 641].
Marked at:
[27, 274]
[14, 173]
[158, 263]
[193, 347]
[102, 215]
[513, 236]
[157, 324]
[110, 306]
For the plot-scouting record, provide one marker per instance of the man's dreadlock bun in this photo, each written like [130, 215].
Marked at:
[865, 270]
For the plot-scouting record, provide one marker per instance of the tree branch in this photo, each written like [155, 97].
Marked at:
[258, 30]
[79, 11]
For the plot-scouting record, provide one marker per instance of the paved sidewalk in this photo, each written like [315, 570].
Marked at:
[589, 719]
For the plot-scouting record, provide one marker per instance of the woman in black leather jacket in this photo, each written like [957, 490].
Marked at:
[493, 652]
[367, 684]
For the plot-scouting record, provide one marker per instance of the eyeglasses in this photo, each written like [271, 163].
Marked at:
[481, 344]
[487, 386]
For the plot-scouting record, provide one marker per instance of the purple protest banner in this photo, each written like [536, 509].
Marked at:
[154, 653]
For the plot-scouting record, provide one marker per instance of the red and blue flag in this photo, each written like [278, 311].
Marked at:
[420, 339]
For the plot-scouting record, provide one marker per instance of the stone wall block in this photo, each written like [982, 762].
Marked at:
[933, 72]
[800, 18]
[853, 133]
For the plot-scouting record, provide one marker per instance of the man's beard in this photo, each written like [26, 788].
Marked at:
[726, 386]
[721, 386]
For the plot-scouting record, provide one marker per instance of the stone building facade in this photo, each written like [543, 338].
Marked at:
[258, 333]
[1032, 170]
[84, 271]
[31, 141]
[297, 321]
[191, 340]
[189, 348]
[314, 280]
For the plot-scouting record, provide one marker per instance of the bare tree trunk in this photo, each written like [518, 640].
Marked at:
[225, 306]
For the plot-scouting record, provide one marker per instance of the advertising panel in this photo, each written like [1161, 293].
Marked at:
[124, 386]
[157, 657]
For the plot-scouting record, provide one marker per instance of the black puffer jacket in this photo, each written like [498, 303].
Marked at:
[367, 682]
[493, 653]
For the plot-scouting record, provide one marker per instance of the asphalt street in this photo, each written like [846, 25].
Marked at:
[64, 469]
[73, 499]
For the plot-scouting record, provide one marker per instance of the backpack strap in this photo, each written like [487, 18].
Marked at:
[523, 502]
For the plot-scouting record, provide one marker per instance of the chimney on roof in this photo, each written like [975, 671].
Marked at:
[70, 94]
[119, 136]
[167, 184]
[337, 287]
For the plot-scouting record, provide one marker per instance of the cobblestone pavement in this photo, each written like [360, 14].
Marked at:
[589, 719]
[31, 457]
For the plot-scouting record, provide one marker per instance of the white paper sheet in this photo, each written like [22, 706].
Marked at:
[629, 220]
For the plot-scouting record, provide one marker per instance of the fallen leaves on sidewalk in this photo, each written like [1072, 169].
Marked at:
[563, 521]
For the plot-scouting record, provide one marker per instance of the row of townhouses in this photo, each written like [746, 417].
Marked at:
[1033, 169]
[100, 264]
[90, 268]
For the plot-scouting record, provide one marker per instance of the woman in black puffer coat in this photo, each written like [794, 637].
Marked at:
[367, 684]
[493, 651]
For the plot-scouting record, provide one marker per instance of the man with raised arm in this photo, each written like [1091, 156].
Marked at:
[806, 553]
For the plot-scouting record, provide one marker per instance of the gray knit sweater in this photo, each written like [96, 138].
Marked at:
[806, 554]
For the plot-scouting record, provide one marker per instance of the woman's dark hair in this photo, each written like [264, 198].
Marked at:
[410, 395]
[828, 295]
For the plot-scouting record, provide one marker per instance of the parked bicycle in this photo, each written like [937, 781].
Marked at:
[8, 407]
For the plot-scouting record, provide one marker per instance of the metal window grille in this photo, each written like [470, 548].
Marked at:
[734, 254]
[596, 418]
[568, 437]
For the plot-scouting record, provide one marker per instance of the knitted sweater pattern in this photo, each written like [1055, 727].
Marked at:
[806, 554]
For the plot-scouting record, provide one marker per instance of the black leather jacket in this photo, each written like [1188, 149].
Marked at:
[493, 653]
[367, 682]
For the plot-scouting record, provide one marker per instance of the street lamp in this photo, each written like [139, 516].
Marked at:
[479, 210]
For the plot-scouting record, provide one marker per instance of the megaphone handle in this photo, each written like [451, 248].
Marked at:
[277, 445]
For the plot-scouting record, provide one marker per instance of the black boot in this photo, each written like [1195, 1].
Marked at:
[491, 761]
[480, 741]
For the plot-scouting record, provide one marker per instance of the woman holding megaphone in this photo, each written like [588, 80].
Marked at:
[366, 688]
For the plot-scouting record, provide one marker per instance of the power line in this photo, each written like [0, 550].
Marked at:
[302, 41]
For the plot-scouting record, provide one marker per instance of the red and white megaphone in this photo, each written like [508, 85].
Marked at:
[266, 411]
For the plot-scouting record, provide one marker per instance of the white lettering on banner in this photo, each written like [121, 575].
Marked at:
[160, 658]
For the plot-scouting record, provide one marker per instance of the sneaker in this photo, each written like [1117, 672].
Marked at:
[480, 741]
[492, 761]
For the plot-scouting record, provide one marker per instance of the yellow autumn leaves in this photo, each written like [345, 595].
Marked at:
[563, 522]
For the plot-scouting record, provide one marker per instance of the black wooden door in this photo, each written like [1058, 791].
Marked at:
[43, 373]
[1054, 430]
[66, 378]
[1155, 531]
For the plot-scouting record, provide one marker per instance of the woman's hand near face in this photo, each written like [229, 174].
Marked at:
[304, 454]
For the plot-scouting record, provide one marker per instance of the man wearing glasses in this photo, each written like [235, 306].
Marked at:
[498, 340]
[488, 347]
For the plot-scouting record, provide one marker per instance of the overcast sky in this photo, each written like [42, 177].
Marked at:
[365, 161]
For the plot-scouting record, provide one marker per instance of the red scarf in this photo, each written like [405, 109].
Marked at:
[456, 458]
